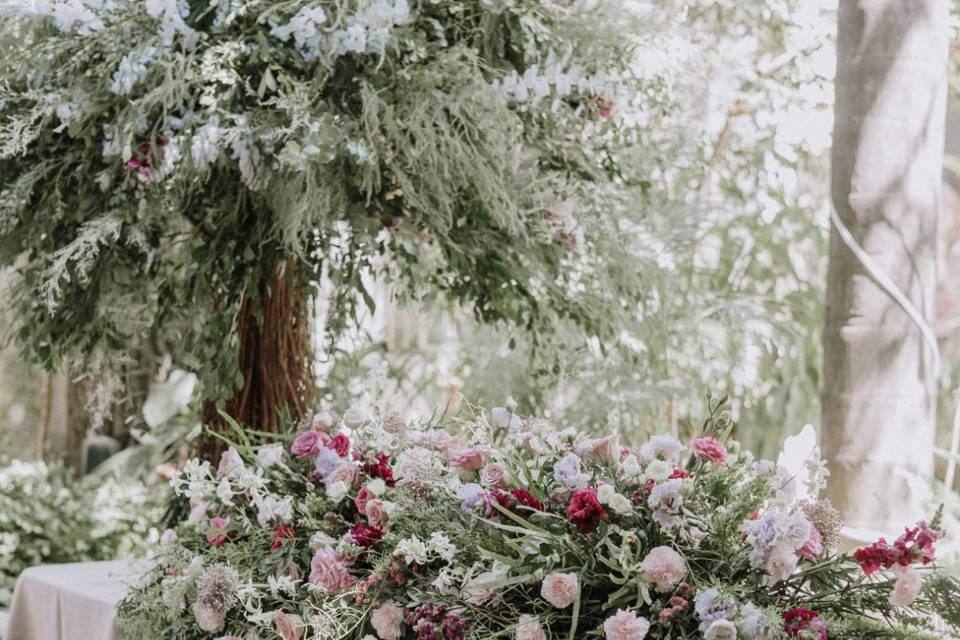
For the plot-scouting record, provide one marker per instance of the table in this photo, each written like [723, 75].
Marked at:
[70, 601]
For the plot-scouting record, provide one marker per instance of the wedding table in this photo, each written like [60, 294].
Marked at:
[70, 601]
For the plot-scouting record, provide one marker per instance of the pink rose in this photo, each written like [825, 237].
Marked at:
[709, 448]
[308, 443]
[218, 537]
[327, 571]
[664, 567]
[386, 620]
[560, 589]
[467, 459]
[625, 626]
[528, 628]
[600, 449]
[375, 510]
[287, 626]
[493, 475]
[813, 547]
[440, 441]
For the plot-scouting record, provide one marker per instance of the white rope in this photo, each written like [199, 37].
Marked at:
[928, 334]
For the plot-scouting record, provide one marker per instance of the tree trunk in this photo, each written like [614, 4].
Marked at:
[879, 387]
[275, 360]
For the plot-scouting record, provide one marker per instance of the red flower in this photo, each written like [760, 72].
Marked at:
[365, 536]
[379, 468]
[281, 534]
[341, 444]
[915, 545]
[585, 510]
[799, 620]
[679, 474]
[527, 499]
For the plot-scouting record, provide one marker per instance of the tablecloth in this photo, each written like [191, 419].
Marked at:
[70, 601]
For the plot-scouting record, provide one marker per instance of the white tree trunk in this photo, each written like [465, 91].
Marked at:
[879, 388]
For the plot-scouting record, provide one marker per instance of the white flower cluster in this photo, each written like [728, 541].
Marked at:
[171, 14]
[132, 69]
[366, 31]
[415, 550]
[76, 16]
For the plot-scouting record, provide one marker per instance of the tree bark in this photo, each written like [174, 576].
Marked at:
[275, 358]
[879, 387]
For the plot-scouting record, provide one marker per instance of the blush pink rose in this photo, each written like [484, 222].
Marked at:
[386, 620]
[328, 571]
[468, 459]
[347, 473]
[376, 512]
[560, 589]
[625, 626]
[600, 449]
[287, 626]
[493, 475]
[709, 448]
[664, 567]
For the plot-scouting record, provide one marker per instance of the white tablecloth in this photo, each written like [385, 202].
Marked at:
[70, 601]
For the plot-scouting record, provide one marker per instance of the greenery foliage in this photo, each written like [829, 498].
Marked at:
[158, 160]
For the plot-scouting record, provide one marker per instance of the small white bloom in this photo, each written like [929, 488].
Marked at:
[440, 545]
[271, 454]
[337, 491]
[225, 492]
[413, 550]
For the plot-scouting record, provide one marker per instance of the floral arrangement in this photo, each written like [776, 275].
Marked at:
[371, 529]
[49, 515]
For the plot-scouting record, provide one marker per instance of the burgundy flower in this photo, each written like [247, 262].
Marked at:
[363, 535]
[585, 510]
[281, 534]
[379, 468]
[341, 444]
[798, 620]
[527, 499]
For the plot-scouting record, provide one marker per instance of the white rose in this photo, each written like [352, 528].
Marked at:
[721, 630]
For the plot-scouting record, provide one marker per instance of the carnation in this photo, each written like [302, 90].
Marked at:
[387, 621]
[528, 628]
[721, 630]
[560, 589]
[585, 510]
[710, 449]
[664, 567]
[328, 572]
[625, 625]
